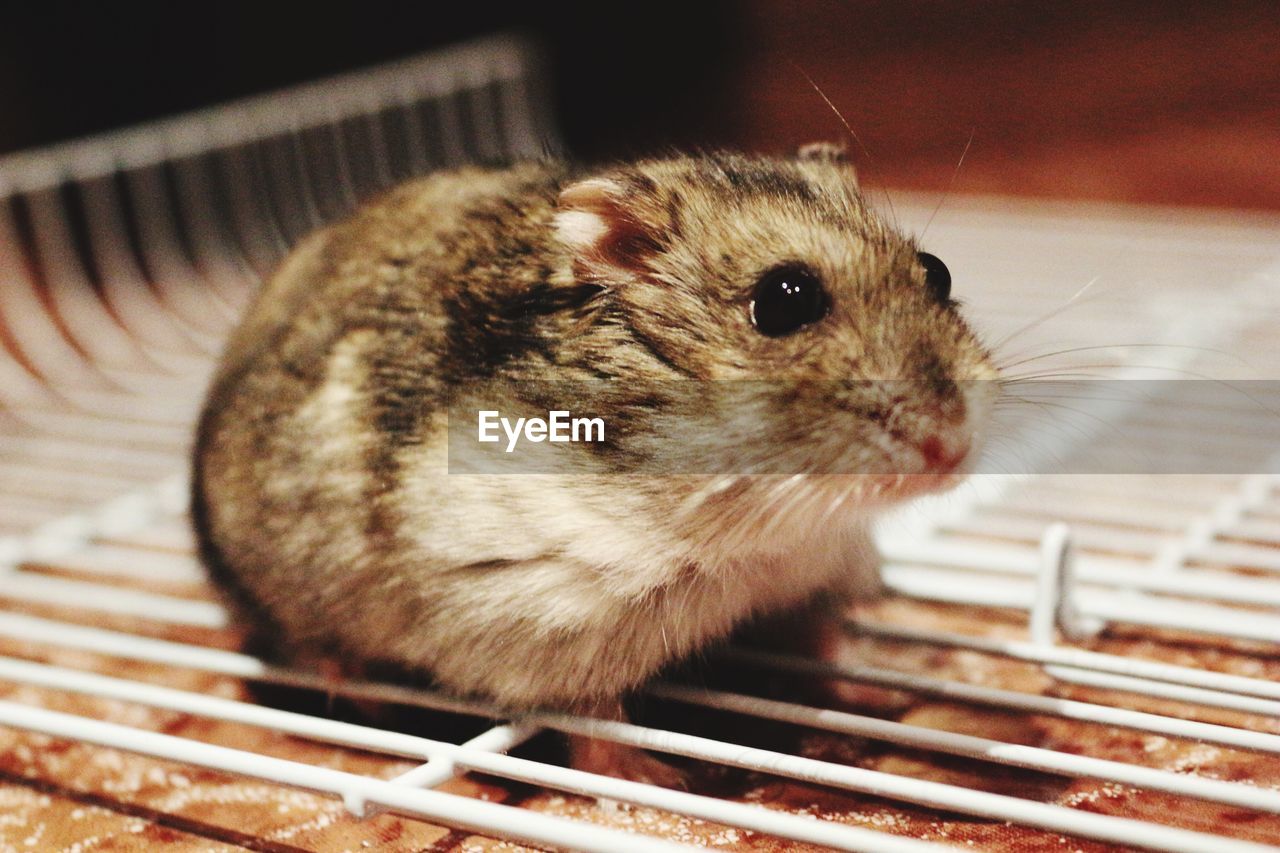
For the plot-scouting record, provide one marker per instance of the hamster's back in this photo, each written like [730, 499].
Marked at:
[346, 341]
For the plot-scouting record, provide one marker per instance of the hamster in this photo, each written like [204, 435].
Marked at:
[322, 496]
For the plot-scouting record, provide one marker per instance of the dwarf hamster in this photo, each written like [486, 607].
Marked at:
[322, 491]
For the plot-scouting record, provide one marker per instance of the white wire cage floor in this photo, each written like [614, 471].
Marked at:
[128, 712]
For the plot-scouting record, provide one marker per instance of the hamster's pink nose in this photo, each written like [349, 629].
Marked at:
[942, 454]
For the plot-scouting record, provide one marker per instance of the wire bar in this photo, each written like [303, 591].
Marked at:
[1033, 703]
[985, 749]
[1076, 658]
[332, 731]
[352, 789]
[943, 796]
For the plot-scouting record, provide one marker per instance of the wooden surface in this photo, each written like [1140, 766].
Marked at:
[1173, 103]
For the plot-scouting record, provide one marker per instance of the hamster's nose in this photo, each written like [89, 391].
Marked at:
[943, 453]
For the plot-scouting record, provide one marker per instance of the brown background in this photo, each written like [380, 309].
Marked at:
[1137, 101]
[1157, 102]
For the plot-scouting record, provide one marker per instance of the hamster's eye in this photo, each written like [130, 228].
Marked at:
[786, 300]
[936, 276]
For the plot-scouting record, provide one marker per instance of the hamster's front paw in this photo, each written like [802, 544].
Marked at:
[624, 762]
[620, 760]
[817, 633]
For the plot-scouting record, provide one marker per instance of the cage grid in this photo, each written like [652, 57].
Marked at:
[1065, 662]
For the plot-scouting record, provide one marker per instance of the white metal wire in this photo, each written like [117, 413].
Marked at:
[100, 380]
[854, 779]
[502, 62]
[1027, 702]
[354, 790]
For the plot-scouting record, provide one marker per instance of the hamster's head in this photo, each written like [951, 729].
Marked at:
[773, 277]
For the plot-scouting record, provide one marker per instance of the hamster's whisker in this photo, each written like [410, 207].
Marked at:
[1076, 374]
[1032, 455]
[1192, 374]
[1043, 318]
[801, 505]
[1043, 405]
[698, 498]
[1118, 397]
[729, 518]
[996, 441]
[951, 185]
[763, 518]
[1070, 350]
[836, 505]
[805, 501]
[769, 511]
[870, 160]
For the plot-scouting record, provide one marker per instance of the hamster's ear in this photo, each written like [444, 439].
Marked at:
[829, 152]
[597, 221]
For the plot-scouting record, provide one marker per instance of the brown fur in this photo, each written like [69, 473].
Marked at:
[322, 491]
